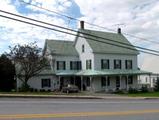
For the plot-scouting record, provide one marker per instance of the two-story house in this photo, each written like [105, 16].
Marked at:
[94, 61]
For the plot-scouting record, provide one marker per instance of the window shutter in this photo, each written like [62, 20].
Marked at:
[108, 65]
[71, 65]
[114, 64]
[120, 64]
[126, 64]
[64, 65]
[57, 65]
[90, 64]
[101, 63]
[80, 65]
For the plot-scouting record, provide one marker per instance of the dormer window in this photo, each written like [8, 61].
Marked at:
[83, 48]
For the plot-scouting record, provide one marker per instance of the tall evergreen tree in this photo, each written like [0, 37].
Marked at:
[7, 73]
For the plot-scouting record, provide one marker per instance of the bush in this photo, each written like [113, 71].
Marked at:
[132, 90]
[35, 90]
[42, 90]
[31, 89]
[24, 88]
[144, 89]
[48, 90]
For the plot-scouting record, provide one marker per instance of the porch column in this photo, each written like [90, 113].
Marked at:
[81, 83]
[59, 82]
[150, 80]
[91, 83]
[120, 81]
[127, 82]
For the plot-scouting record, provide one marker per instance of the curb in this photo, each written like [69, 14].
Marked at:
[76, 97]
[49, 96]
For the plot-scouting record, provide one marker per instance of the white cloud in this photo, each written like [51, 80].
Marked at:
[13, 32]
[139, 17]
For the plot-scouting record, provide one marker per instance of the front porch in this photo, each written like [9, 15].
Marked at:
[99, 83]
[93, 81]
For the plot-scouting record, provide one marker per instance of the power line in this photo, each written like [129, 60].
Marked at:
[70, 17]
[76, 34]
[68, 29]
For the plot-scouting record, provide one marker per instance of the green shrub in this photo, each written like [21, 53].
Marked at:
[132, 90]
[48, 90]
[144, 89]
[24, 88]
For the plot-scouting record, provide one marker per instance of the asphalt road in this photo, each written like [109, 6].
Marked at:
[78, 109]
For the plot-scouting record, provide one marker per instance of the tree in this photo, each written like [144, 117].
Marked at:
[29, 61]
[7, 73]
[156, 87]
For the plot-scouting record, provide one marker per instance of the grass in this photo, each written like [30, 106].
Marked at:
[148, 94]
[43, 93]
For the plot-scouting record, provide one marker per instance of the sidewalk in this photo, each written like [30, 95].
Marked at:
[69, 96]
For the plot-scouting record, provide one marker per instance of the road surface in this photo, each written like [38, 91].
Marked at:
[77, 109]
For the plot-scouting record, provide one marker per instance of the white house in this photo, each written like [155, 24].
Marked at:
[148, 80]
[94, 61]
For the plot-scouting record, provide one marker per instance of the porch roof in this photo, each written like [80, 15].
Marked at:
[101, 72]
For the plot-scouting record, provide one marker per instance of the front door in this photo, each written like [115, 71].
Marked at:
[117, 83]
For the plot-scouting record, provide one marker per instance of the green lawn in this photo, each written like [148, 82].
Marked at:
[42, 93]
[149, 94]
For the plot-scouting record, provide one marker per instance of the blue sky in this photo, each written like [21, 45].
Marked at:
[136, 17]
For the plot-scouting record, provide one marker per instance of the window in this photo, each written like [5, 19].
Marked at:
[45, 83]
[108, 81]
[104, 64]
[75, 65]
[117, 82]
[103, 81]
[88, 64]
[128, 64]
[130, 80]
[83, 49]
[61, 65]
[117, 64]
[146, 80]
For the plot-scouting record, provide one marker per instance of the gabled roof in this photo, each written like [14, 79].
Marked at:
[61, 47]
[102, 47]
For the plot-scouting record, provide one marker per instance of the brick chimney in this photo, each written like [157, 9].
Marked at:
[119, 31]
[82, 24]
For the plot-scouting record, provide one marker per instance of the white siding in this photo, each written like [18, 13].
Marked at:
[35, 82]
[67, 60]
[87, 54]
[112, 57]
